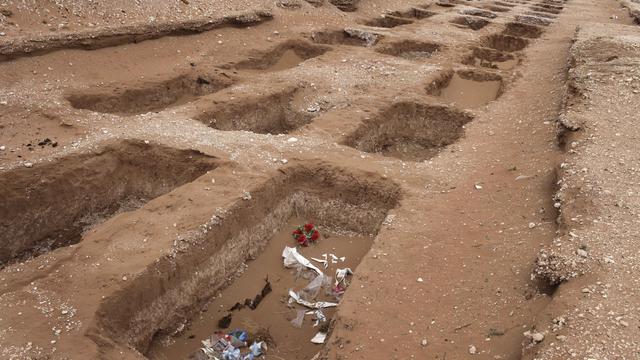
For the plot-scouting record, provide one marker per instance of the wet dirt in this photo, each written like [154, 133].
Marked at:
[469, 93]
[273, 313]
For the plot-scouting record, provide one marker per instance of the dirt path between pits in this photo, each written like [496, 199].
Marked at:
[432, 130]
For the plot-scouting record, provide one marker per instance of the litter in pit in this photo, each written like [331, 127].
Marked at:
[293, 276]
[230, 346]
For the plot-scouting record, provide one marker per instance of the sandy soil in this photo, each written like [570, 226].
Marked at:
[150, 149]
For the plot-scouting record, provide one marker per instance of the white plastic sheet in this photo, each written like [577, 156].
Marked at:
[292, 258]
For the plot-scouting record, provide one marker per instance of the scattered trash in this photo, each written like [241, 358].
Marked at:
[341, 275]
[293, 258]
[313, 305]
[297, 321]
[229, 347]
[319, 338]
[306, 234]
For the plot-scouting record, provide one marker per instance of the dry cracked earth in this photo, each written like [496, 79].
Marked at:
[476, 162]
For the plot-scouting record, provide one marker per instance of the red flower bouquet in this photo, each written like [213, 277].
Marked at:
[306, 234]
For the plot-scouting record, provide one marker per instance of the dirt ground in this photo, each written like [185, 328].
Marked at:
[475, 161]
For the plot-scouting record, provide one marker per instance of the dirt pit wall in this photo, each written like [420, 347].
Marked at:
[204, 261]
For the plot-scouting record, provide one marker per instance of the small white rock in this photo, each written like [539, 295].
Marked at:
[423, 342]
[537, 337]
[284, 161]
[292, 139]
[532, 225]
[420, 280]
[28, 164]
[472, 350]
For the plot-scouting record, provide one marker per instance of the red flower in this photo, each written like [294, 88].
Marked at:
[302, 240]
[315, 236]
[308, 227]
[297, 232]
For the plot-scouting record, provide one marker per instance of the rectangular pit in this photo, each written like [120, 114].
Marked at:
[491, 59]
[351, 37]
[470, 22]
[409, 49]
[275, 113]
[467, 89]
[505, 43]
[388, 21]
[51, 204]
[140, 97]
[285, 56]
[177, 287]
[409, 131]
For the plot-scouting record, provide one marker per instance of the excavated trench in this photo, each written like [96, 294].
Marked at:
[467, 89]
[174, 290]
[505, 43]
[410, 49]
[490, 58]
[414, 13]
[409, 131]
[388, 21]
[52, 204]
[148, 96]
[351, 37]
[275, 113]
[470, 22]
[284, 56]
[523, 30]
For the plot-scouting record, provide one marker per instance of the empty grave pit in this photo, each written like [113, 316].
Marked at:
[51, 205]
[409, 49]
[271, 113]
[549, 10]
[284, 56]
[505, 43]
[467, 89]
[147, 96]
[470, 22]
[409, 131]
[491, 59]
[388, 21]
[497, 8]
[541, 14]
[349, 36]
[414, 13]
[201, 282]
[522, 30]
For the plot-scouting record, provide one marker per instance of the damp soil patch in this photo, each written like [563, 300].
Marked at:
[470, 22]
[51, 204]
[410, 49]
[148, 96]
[409, 131]
[285, 56]
[491, 59]
[467, 89]
[388, 21]
[180, 287]
[275, 113]
[505, 43]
